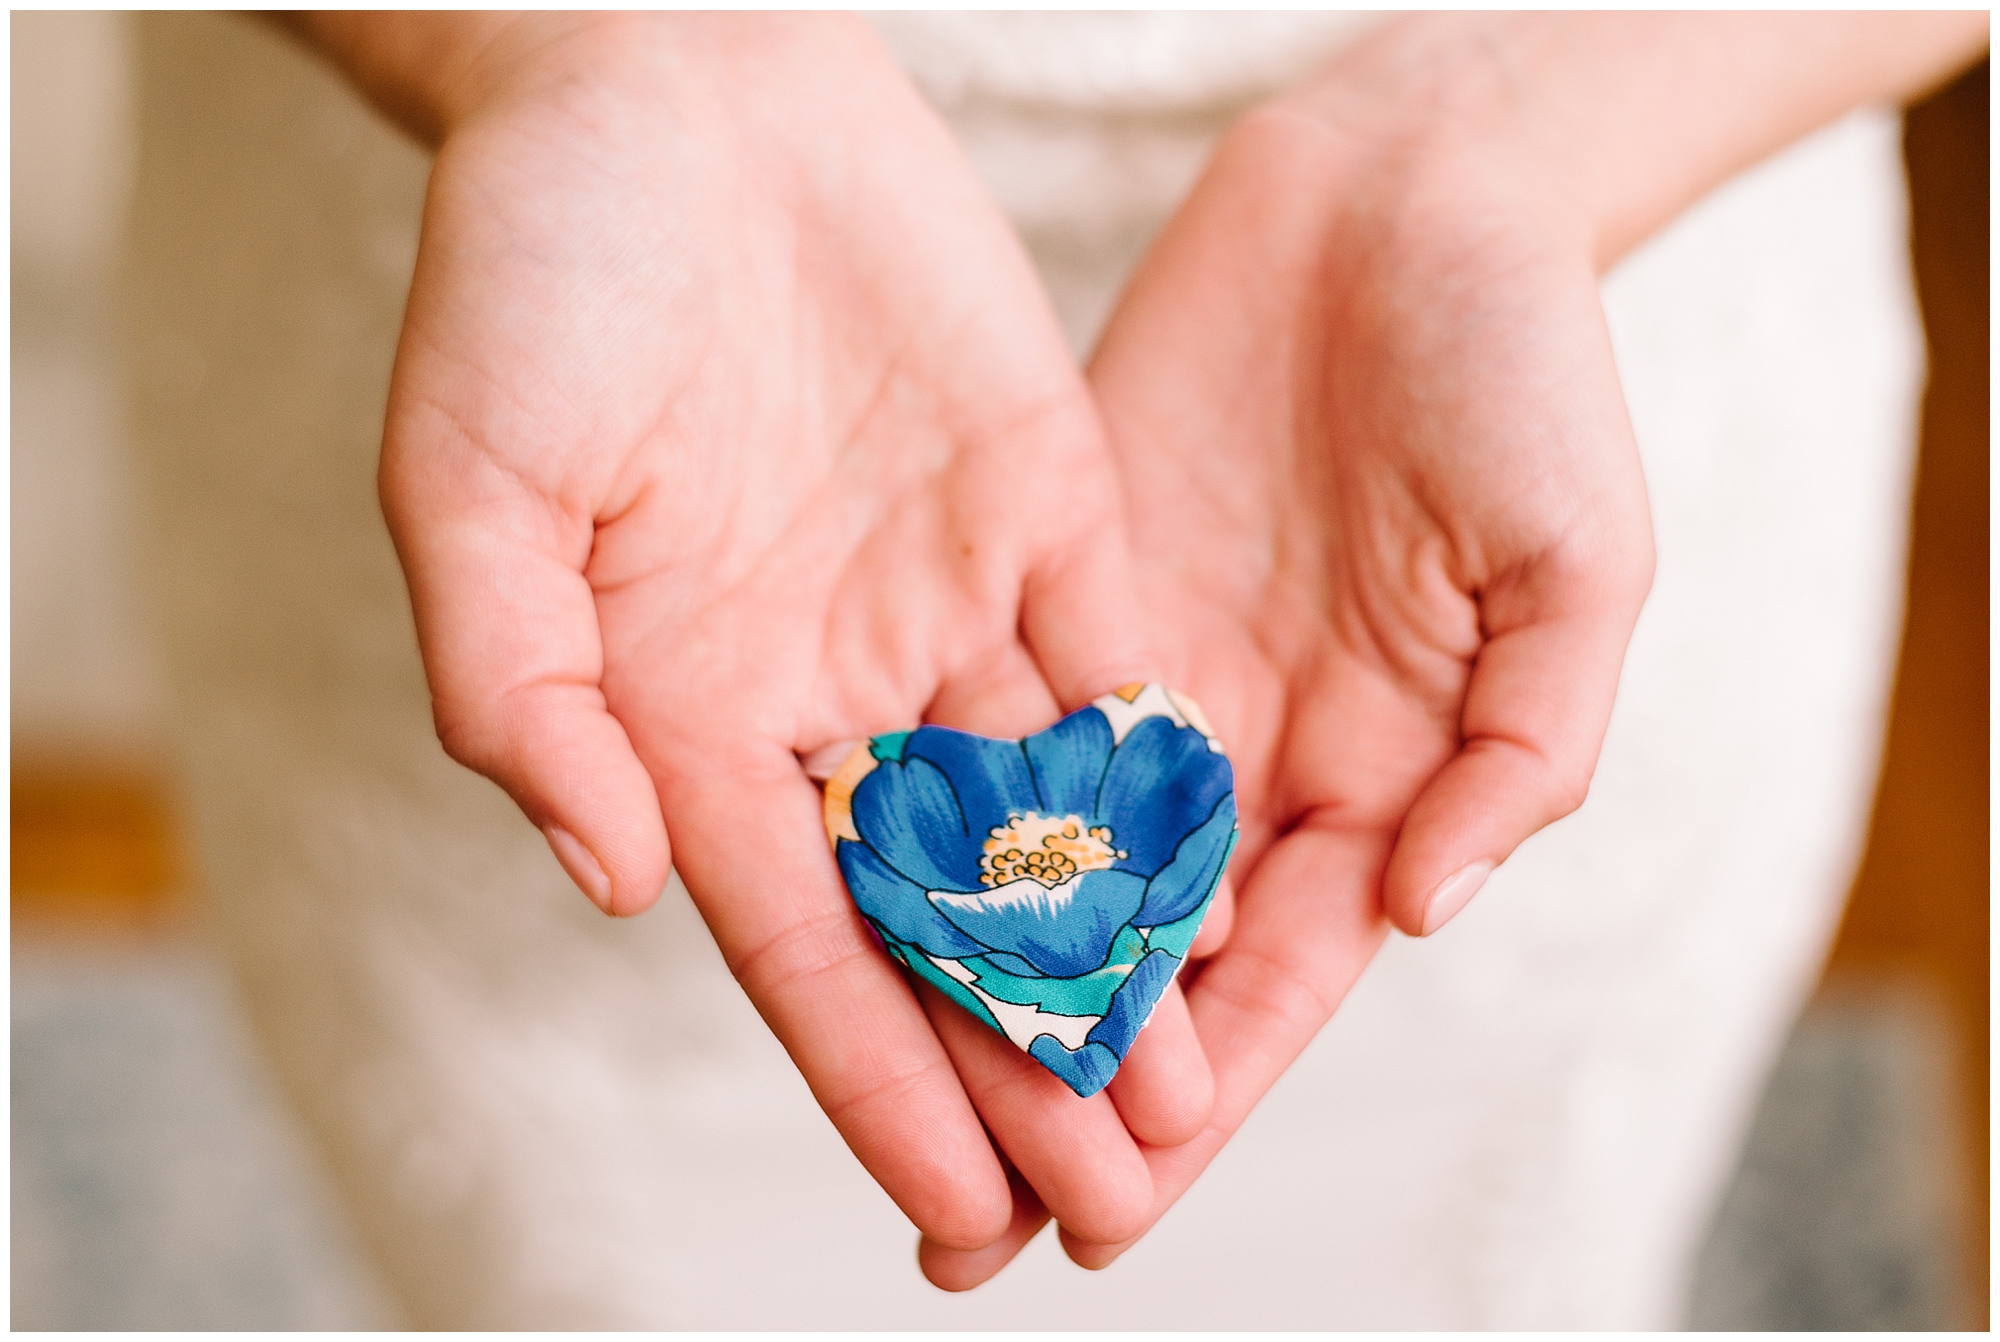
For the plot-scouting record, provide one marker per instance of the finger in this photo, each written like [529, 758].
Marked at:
[758, 868]
[998, 693]
[1074, 1152]
[1216, 926]
[507, 625]
[822, 764]
[1307, 925]
[962, 1269]
[1168, 1100]
[1080, 615]
[1164, 1090]
[1535, 713]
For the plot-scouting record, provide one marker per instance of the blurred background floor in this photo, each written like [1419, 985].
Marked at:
[1842, 1215]
[158, 1181]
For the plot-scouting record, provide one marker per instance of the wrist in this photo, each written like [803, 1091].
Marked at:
[434, 72]
[430, 72]
[1611, 124]
[1428, 138]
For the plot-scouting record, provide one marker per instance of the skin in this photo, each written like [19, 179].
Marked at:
[728, 423]
[1384, 492]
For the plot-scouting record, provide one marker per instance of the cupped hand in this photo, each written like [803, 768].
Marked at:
[728, 423]
[1394, 537]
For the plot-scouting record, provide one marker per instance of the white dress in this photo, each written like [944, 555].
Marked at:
[540, 1117]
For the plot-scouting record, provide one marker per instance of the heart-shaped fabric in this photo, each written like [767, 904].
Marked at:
[1051, 886]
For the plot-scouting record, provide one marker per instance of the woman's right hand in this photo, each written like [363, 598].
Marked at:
[729, 421]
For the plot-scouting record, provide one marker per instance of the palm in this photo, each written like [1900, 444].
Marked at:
[705, 452]
[1384, 492]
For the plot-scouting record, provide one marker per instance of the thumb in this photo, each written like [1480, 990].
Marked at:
[508, 628]
[1535, 712]
[1082, 621]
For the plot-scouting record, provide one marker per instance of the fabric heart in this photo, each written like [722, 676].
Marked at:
[1051, 886]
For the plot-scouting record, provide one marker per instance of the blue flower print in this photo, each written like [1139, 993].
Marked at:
[1050, 886]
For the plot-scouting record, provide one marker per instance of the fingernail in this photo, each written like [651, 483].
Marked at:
[825, 762]
[1454, 892]
[581, 866]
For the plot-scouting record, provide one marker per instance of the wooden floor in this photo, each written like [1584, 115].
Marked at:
[95, 849]
[1920, 902]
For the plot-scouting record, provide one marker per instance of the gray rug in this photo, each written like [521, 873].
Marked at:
[159, 1183]
[157, 1180]
[1840, 1216]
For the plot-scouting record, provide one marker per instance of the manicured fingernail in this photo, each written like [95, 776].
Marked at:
[1454, 892]
[581, 866]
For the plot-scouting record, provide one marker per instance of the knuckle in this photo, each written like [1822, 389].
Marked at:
[1566, 786]
[1118, 1214]
[1645, 565]
[464, 736]
[888, 1090]
[1571, 792]
[798, 953]
[1270, 991]
[1276, 129]
[887, 1116]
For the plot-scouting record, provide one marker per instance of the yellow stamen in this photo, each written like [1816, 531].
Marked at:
[1049, 849]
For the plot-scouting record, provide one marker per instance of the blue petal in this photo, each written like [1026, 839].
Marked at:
[909, 814]
[1062, 934]
[1176, 937]
[1163, 781]
[1086, 1071]
[1068, 762]
[1197, 865]
[1133, 1004]
[898, 904]
[991, 777]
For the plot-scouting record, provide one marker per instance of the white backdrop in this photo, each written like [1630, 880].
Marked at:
[543, 1118]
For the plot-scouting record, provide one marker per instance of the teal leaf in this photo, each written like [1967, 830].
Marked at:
[921, 965]
[889, 746]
